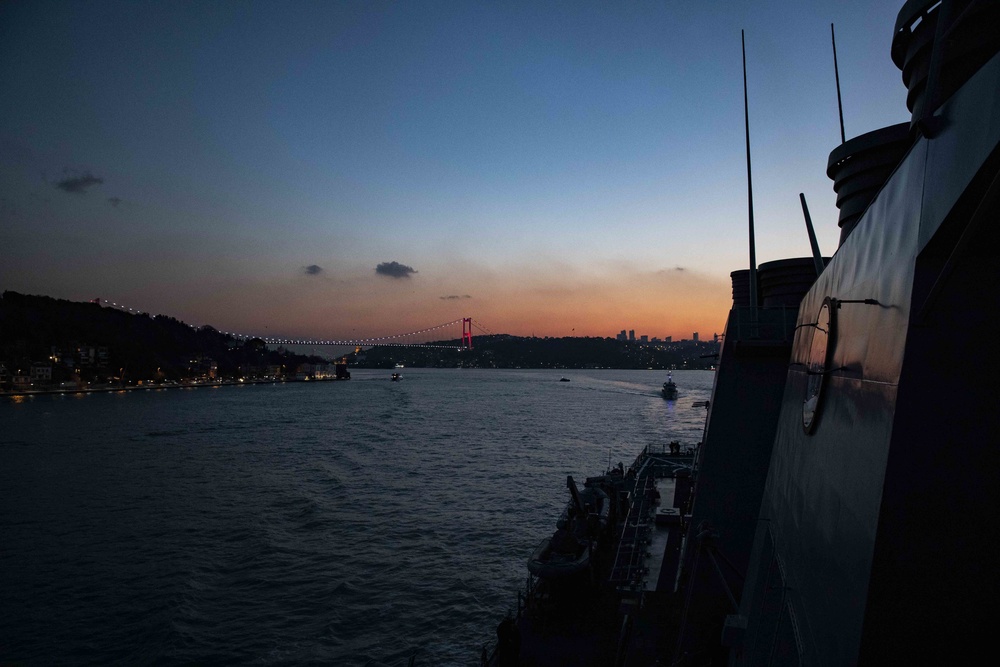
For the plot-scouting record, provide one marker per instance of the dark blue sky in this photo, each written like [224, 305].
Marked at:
[547, 167]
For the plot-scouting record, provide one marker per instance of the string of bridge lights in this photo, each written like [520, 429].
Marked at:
[379, 340]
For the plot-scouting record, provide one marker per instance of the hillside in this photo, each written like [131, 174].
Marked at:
[54, 341]
[85, 342]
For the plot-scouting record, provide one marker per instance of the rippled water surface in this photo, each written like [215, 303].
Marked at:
[353, 523]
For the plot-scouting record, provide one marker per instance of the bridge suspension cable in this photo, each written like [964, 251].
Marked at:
[481, 327]
[362, 342]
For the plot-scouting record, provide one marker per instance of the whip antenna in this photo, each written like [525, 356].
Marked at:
[836, 73]
[753, 248]
[817, 256]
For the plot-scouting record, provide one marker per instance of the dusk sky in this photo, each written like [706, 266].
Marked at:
[356, 169]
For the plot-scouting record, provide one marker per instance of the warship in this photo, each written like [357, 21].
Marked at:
[841, 508]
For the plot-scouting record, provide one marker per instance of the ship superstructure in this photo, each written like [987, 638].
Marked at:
[842, 506]
[876, 540]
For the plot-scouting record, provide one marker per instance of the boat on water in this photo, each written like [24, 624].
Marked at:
[669, 389]
[839, 513]
[578, 531]
[396, 377]
[564, 379]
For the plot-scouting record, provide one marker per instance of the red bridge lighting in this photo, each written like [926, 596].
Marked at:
[467, 333]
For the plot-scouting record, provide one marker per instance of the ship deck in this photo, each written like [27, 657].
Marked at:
[622, 603]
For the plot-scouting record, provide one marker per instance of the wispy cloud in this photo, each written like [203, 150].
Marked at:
[78, 184]
[313, 270]
[453, 297]
[394, 270]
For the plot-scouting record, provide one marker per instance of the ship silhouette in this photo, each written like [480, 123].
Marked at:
[841, 508]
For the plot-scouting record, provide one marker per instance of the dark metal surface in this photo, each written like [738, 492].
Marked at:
[842, 495]
[860, 167]
[741, 288]
[939, 45]
[784, 282]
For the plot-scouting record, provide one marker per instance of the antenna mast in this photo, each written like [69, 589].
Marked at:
[753, 249]
[836, 73]
[817, 256]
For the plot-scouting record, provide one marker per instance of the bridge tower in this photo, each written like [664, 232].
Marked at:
[467, 333]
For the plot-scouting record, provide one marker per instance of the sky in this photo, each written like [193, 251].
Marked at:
[359, 169]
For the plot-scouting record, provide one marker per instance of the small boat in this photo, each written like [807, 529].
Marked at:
[564, 379]
[561, 555]
[567, 552]
[396, 377]
[669, 390]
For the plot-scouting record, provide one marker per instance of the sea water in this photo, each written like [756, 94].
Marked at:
[348, 523]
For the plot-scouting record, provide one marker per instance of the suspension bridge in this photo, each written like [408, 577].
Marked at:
[394, 340]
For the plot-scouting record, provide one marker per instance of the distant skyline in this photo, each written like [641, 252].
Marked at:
[347, 169]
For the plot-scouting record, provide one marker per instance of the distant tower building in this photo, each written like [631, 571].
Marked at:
[694, 336]
[669, 339]
[715, 338]
[622, 335]
[644, 339]
[631, 335]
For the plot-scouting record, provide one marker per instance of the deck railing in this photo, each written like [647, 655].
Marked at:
[629, 566]
[525, 598]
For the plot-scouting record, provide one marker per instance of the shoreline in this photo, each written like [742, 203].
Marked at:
[237, 383]
[158, 387]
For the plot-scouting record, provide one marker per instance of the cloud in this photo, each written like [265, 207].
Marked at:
[452, 297]
[313, 270]
[394, 270]
[115, 201]
[78, 184]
